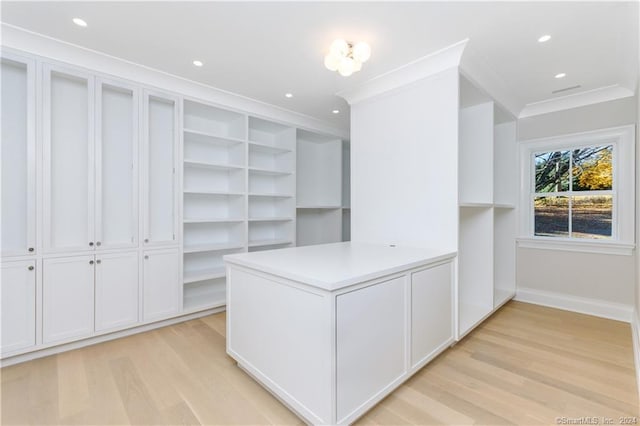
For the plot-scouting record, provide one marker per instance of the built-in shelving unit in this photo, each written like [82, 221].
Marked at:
[319, 188]
[487, 206]
[120, 200]
[214, 201]
[272, 181]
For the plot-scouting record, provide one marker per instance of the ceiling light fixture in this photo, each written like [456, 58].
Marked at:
[544, 38]
[347, 57]
[80, 22]
[198, 63]
[561, 75]
[336, 111]
[288, 95]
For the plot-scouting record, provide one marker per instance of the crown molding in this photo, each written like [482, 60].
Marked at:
[48, 47]
[426, 66]
[589, 97]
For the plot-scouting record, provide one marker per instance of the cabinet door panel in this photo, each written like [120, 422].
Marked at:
[116, 290]
[18, 304]
[370, 342]
[18, 156]
[68, 165]
[67, 299]
[116, 167]
[431, 312]
[162, 285]
[160, 163]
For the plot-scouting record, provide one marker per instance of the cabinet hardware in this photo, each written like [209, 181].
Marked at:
[91, 244]
[91, 262]
[98, 261]
[146, 257]
[31, 249]
[31, 268]
[146, 240]
[98, 243]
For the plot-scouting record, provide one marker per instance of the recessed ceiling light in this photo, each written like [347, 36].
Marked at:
[336, 111]
[288, 95]
[544, 38]
[198, 63]
[561, 75]
[80, 22]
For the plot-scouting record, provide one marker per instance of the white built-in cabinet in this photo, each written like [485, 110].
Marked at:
[160, 211]
[90, 162]
[69, 160]
[89, 293]
[322, 197]
[67, 298]
[18, 161]
[116, 290]
[487, 198]
[18, 304]
[116, 165]
[120, 200]
[161, 272]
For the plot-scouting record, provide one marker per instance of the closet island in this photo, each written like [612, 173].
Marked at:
[332, 329]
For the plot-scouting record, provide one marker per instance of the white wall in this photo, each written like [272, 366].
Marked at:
[604, 278]
[590, 117]
[403, 165]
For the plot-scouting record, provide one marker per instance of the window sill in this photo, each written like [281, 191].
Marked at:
[600, 247]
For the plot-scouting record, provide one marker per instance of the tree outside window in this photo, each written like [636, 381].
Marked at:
[573, 196]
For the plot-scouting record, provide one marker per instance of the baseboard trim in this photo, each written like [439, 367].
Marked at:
[40, 353]
[583, 305]
[635, 332]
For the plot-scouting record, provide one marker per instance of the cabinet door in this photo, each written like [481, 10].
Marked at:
[116, 166]
[370, 342]
[18, 155]
[116, 290]
[160, 143]
[67, 299]
[162, 285]
[431, 312]
[18, 302]
[68, 160]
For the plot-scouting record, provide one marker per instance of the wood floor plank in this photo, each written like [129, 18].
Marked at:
[526, 364]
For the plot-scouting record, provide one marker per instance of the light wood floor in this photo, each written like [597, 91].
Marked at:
[525, 365]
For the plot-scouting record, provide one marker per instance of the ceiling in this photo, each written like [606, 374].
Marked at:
[265, 49]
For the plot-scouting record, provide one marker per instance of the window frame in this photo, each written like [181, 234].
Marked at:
[622, 240]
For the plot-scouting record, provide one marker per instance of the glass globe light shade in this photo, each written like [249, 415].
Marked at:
[361, 52]
[339, 48]
[357, 66]
[346, 67]
[331, 62]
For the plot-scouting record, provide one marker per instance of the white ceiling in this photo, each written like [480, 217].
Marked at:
[264, 49]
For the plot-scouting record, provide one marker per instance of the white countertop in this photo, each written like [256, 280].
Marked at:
[335, 266]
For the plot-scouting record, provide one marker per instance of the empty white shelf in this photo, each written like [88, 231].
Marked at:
[199, 136]
[319, 207]
[269, 172]
[205, 274]
[213, 247]
[476, 205]
[273, 242]
[256, 194]
[212, 220]
[213, 193]
[266, 148]
[202, 164]
[270, 219]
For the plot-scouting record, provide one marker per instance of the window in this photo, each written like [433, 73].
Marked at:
[574, 193]
[578, 191]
